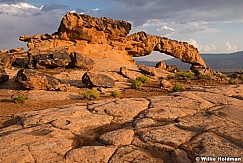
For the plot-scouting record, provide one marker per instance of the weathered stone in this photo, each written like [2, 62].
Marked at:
[4, 51]
[81, 62]
[133, 154]
[209, 144]
[50, 60]
[123, 110]
[30, 79]
[90, 154]
[128, 73]
[85, 27]
[168, 135]
[165, 84]
[161, 65]
[141, 44]
[147, 70]
[119, 137]
[3, 76]
[5, 60]
[16, 50]
[97, 80]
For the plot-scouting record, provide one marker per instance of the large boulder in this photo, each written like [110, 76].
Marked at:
[80, 61]
[33, 80]
[49, 60]
[3, 76]
[92, 79]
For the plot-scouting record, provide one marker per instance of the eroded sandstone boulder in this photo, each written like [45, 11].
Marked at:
[30, 79]
[80, 61]
[92, 79]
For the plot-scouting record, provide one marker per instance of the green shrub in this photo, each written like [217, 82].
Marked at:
[143, 79]
[204, 77]
[91, 94]
[19, 99]
[138, 85]
[178, 87]
[221, 76]
[170, 76]
[184, 75]
[115, 94]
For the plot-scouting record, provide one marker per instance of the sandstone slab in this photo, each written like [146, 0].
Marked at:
[119, 137]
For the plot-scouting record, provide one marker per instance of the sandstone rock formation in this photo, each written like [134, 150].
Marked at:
[39, 81]
[141, 44]
[92, 79]
[204, 121]
[104, 38]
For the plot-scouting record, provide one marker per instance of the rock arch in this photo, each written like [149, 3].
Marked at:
[141, 44]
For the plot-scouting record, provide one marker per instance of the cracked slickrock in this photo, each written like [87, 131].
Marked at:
[205, 121]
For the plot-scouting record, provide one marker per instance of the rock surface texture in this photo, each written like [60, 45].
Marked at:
[106, 38]
[172, 128]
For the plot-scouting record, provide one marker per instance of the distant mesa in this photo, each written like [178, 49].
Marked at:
[107, 38]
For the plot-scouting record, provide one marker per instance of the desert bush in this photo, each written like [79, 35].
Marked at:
[143, 79]
[19, 99]
[184, 75]
[115, 94]
[138, 85]
[178, 87]
[204, 77]
[91, 94]
[170, 76]
[221, 76]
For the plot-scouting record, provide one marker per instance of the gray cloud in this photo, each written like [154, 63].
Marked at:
[51, 7]
[177, 10]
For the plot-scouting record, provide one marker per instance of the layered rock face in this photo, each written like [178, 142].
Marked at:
[106, 38]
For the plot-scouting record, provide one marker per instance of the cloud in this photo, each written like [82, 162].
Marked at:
[166, 31]
[87, 11]
[202, 48]
[230, 47]
[18, 8]
[18, 18]
[177, 10]
[51, 7]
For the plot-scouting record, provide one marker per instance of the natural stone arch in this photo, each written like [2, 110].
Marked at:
[141, 44]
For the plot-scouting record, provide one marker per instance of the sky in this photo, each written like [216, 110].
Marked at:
[213, 26]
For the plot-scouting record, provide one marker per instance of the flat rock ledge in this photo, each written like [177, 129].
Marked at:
[204, 121]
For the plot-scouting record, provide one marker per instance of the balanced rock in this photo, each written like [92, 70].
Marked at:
[92, 79]
[3, 76]
[30, 79]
